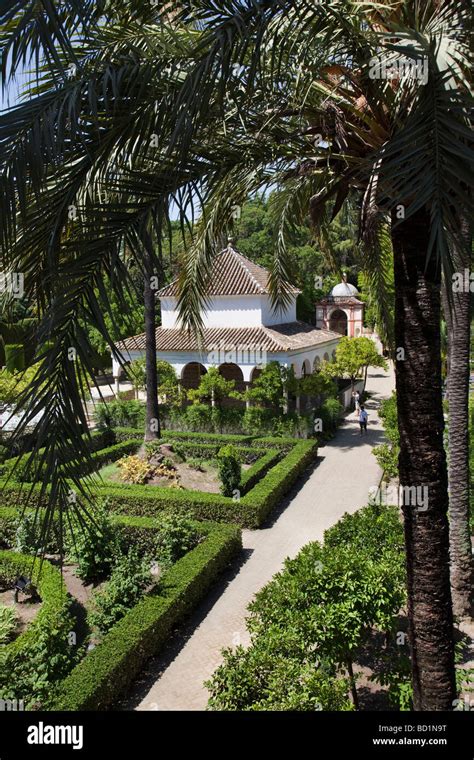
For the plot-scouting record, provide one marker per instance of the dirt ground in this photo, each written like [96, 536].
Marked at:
[26, 608]
[189, 478]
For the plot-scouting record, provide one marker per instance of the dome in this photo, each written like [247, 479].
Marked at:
[344, 289]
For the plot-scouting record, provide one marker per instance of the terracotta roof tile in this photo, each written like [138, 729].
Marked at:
[284, 337]
[232, 275]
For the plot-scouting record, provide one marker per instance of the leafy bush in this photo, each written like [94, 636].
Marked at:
[229, 469]
[28, 534]
[387, 453]
[94, 547]
[128, 580]
[134, 469]
[42, 655]
[195, 464]
[261, 679]
[4, 453]
[120, 413]
[8, 621]
[176, 535]
[308, 622]
[108, 669]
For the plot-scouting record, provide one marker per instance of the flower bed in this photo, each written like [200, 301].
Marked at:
[268, 485]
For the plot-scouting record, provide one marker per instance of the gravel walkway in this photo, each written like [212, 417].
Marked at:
[340, 482]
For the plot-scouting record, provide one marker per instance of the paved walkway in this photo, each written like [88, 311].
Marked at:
[339, 483]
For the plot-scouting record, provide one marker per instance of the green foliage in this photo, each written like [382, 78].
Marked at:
[128, 581]
[42, 655]
[195, 464]
[12, 384]
[352, 356]
[268, 387]
[107, 671]
[229, 469]
[120, 413]
[252, 509]
[263, 678]
[167, 380]
[176, 535]
[387, 453]
[312, 617]
[94, 547]
[8, 622]
[14, 357]
[213, 386]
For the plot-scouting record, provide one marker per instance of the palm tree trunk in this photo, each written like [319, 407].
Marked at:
[152, 422]
[457, 316]
[422, 464]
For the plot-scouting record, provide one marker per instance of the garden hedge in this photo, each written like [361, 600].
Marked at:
[16, 467]
[144, 501]
[107, 671]
[258, 469]
[285, 443]
[49, 583]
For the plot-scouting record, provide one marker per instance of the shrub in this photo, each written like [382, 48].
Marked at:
[309, 621]
[120, 413]
[134, 469]
[40, 656]
[94, 547]
[106, 672]
[4, 453]
[129, 579]
[176, 535]
[8, 621]
[229, 469]
[28, 534]
[195, 464]
[260, 679]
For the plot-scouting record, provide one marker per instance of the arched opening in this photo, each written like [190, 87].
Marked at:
[191, 375]
[334, 355]
[338, 322]
[306, 368]
[326, 357]
[316, 364]
[230, 371]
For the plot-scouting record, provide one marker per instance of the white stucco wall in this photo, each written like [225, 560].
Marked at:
[232, 311]
[279, 317]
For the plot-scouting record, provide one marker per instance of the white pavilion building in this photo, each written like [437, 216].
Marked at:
[241, 330]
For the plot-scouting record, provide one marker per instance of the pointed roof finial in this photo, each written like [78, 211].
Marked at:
[344, 276]
[230, 242]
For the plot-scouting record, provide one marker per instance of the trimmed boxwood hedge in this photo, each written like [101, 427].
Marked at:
[107, 671]
[49, 583]
[16, 467]
[258, 469]
[249, 511]
[126, 433]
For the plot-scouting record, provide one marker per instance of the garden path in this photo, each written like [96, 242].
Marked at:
[338, 483]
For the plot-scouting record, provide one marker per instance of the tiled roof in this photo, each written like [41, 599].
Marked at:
[232, 275]
[285, 337]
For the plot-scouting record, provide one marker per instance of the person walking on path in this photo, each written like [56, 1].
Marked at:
[356, 396]
[363, 416]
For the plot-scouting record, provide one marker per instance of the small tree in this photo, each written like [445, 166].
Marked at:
[230, 470]
[353, 357]
[268, 387]
[213, 387]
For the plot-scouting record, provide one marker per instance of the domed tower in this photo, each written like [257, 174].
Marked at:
[341, 311]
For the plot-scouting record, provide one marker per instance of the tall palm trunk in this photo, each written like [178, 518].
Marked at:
[152, 423]
[458, 323]
[422, 464]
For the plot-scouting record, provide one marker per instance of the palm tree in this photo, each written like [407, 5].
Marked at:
[230, 100]
[457, 312]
